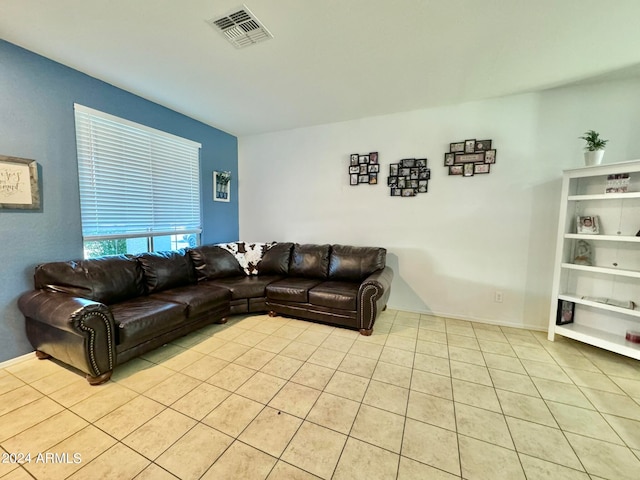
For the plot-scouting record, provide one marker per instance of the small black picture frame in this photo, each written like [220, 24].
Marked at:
[363, 178]
[480, 168]
[354, 168]
[421, 162]
[396, 192]
[470, 146]
[373, 178]
[393, 169]
[408, 162]
[354, 159]
[455, 169]
[392, 181]
[374, 168]
[449, 159]
[468, 169]
[483, 145]
[363, 159]
[456, 147]
[353, 179]
[490, 156]
[566, 312]
[373, 157]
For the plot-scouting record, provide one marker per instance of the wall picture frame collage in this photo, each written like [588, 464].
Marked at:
[364, 168]
[470, 157]
[409, 177]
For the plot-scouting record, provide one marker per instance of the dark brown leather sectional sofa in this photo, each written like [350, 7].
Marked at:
[98, 313]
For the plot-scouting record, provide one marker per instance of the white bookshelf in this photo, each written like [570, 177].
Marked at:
[615, 269]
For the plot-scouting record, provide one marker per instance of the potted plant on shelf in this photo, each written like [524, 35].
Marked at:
[594, 149]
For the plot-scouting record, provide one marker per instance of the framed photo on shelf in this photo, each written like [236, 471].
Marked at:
[566, 312]
[588, 224]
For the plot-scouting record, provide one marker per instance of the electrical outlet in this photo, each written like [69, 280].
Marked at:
[498, 297]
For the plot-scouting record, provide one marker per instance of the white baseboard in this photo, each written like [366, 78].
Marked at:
[13, 361]
[454, 316]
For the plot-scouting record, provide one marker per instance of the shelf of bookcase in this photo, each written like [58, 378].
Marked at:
[599, 338]
[603, 196]
[603, 238]
[603, 270]
[602, 306]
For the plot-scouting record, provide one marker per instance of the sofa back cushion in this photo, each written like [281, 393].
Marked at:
[310, 261]
[355, 263]
[212, 262]
[164, 270]
[107, 280]
[275, 261]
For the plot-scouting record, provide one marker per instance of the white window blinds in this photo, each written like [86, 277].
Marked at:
[134, 180]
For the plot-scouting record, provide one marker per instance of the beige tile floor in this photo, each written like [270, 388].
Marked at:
[277, 398]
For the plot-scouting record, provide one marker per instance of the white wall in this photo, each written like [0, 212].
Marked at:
[455, 246]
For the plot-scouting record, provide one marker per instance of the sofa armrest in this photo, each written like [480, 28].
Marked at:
[372, 297]
[74, 330]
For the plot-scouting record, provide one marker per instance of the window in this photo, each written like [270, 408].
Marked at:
[139, 187]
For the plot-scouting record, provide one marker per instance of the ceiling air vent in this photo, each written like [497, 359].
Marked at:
[241, 28]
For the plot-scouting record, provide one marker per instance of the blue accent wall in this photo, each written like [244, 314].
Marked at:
[37, 122]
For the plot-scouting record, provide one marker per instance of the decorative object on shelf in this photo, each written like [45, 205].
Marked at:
[583, 253]
[408, 177]
[469, 158]
[19, 183]
[617, 183]
[589, 225]
[610, 301]
[364, 168]
[566, 310]
[594, 149]
[221, 186]
[632, 336]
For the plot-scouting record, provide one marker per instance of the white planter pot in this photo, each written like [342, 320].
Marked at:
[593, 158]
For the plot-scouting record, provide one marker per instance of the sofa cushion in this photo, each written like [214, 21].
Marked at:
[198, 298]
[275, 261]
[291, 289]
[251, 286]
[108, 280]
[142, 318]
[355, 263]
[338, 295]
[311, 261]
[164, 270]
[212, 261]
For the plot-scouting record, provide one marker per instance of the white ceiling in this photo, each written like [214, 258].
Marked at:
[329, 60]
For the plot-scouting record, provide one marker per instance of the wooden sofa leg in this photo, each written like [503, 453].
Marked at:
[272, 313]
[365, 332]
[222, 320]
[100, 379]
[41, 355]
